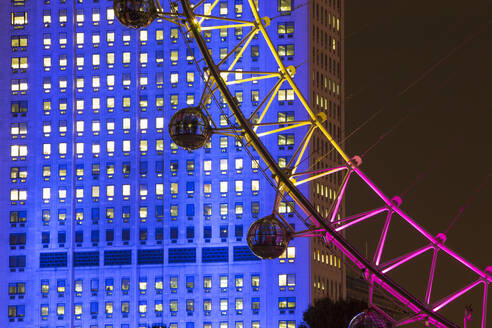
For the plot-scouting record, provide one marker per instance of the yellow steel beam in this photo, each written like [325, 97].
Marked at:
[288, 77]
[282, 129]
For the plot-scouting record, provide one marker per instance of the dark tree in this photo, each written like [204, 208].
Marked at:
[328, 314]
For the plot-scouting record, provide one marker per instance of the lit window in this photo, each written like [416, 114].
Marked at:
[96, 16]
[159, 123]
[62, 149]
[47, 40]
[79, 148]
[143, 59]
[223, 187]
[190, 99]
[284, 6]
[174, 78]
[255, 186]
[143, 146]
[173, 305]
[79, 37]
[223, 8]
[159, 35]
[110, 14]
[19, 19]
[60, 309]
[109, 308]
[143, 36]
[224, 304]
[126, 146]
[239, 304]
[110, 38]
[174, 187]
[207, 166]
[44, 310]
[174, 33]
[190, 77]
[239, 186]
[223, 142]
[126, 57]
[223, 282]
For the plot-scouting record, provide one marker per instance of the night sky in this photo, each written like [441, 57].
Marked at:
[425, 68]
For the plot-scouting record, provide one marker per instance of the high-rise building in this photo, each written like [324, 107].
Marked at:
[107, 223]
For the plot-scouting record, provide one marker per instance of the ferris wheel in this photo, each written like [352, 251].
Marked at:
[268, 237]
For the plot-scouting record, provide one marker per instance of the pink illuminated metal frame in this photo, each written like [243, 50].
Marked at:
[375, 271]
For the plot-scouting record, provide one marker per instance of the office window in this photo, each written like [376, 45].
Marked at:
[44, 310]
[223, 282]
[174, 34]
[285, 94]
[286, 139]
[223, 232]
[174, 57]
[173, 306]
[190, 305]
[19, 19]
[207, 306]
[223, 187]
[223, 8]
[284, 6]
[173, 283]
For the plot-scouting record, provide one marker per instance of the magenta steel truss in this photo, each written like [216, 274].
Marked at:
[196, 18]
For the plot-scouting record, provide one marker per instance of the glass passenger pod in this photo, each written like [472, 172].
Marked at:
[189, 128]
[268, 238]
[369, 319]
[135, 13]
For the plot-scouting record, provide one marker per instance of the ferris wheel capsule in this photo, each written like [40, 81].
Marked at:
[369, 319]
[268, 238]
[135, 13]
[189, 128]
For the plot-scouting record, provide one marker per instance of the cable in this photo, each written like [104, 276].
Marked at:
[411, 85]
[467, 202]
[433, 165]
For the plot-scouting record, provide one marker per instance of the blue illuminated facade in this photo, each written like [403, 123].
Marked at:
[107, 224]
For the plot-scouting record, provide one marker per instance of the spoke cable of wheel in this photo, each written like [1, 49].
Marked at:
[433, 165]
[468, 201]
[440, 61]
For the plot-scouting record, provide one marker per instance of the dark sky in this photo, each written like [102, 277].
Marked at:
[426, 67]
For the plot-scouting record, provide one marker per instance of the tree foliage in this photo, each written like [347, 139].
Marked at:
[326, 313]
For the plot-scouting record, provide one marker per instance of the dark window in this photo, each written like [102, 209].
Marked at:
[109, 235]
[95, 214]
[95, 236]
[125, 234]
[45, 237]
[79, 236]
[190, 232]
[142, 234]
[143, 168]
[159, 167]
[159, 235]
[94, 308]
[159, 211]
[238, 231]
[207, 232]
[62, 237]
[173, 233]
[190, 209]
